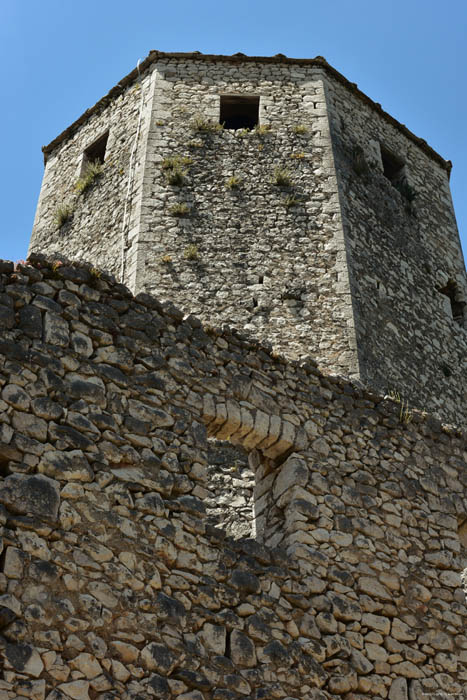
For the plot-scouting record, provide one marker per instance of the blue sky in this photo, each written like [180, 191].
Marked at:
[58, 57]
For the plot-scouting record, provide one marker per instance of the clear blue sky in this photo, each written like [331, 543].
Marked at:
[58, 57]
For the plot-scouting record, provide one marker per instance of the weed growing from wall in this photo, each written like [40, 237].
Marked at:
[179, 210]
[282, 178]
[63, 214]
[191, 252]
[92, 171]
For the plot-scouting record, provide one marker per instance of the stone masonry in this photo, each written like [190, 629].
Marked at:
[351, 257]
[113, 583]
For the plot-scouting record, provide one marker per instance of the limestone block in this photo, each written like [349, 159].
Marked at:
[398, 690]
[157, 657]
[285, 442]
[275, 427]
[55, 329]
[373, 587]
[28, 424]
[233, 422]
[71, 465]
[78, 690]
[35, 494]
[16, 396]
[13, 563]
[294, 472]
[87, 664]
[242, 650]
[25, 659]
[259, 432]
[213, 637]
[408, 670]
[376, 622]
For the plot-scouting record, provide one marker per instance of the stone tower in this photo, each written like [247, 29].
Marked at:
[312, 219]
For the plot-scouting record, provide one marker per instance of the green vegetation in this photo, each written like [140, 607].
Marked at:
[191, 252]
[91, 172]
[300, 129]
[63, 214]
[174, 169]
[290, 201]
[200, 123]
[180, 209]
[262, 129]
[233, 182]
[282, 178]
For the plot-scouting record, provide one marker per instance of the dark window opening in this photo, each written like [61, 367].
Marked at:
[457, 307]
[96, 151]
[239, 112]
[392, 166]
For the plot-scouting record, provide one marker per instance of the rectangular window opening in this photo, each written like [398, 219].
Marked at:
[95, 152]
[457, 307]
[239, 111]
[393, 166]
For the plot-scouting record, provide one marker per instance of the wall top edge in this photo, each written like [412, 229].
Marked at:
[318, 62]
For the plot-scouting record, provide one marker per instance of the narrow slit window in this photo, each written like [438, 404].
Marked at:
[239, 111]
[393, 166]
[457, 307]
[95, 152]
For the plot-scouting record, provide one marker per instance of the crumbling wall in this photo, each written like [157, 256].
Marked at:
[114, 584]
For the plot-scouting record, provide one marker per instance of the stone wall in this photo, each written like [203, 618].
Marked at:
[287, 284]
[341, 264]
[401, 254]
[114, 584]
[102, 217]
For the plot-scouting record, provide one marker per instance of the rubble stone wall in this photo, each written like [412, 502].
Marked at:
[402, 252]
[268, 258]
[113, 582]
[104, 216]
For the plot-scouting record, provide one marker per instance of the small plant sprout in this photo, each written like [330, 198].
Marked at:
[300, 129]
[166, 260]
[191, 252]
[195, 143]
[63, 214]
[233, 182]
[262, 129]
[200, 123]
[95, 272]
[290, 201]
[405, 414]
[298, 156]
[180, 209]
[175, 177]
[172, 162]
[174, 169]
[282, 178]
[91, 172]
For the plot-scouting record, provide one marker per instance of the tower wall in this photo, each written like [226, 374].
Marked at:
[96, 231]
[278, 272]
[401, 254]
[356, 261]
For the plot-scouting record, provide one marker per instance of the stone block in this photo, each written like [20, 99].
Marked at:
[34, 494]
